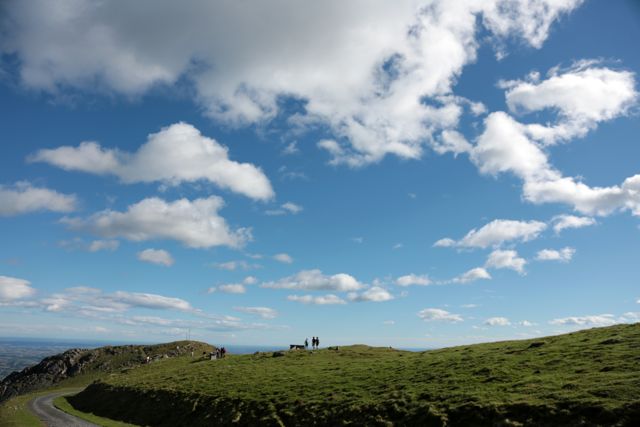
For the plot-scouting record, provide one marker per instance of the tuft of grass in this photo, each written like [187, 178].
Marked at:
[588, 377]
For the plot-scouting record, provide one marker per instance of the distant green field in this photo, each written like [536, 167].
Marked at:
[585, 378]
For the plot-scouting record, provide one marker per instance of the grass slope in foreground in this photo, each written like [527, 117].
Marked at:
[590, 377]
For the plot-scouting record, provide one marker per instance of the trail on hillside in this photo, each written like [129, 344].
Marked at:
[43, 408]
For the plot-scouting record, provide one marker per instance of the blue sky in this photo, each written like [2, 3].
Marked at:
[419, 174]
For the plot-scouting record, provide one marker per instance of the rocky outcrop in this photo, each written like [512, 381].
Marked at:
[71, 363]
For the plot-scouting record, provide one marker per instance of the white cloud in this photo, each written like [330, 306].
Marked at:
[195, 223]
[373, 294]
[284, 258]
[529, 19]
[564, 254]
[497, 321]
[291, 148]
[474, 274]
[504, 147]
[585, 199]
[596, 320]
[562, 222]
[506, 259]
[526, 323]
[103, 245]
[583, 95]
[509, 146]
[286, 208]
[413, 279]
[447, 242]
[314, 280]
[250, 280]
[436, 314]
[452, 141]
[178, 153]
[496, 233]
[236, 265]
[24, 198]
[365, 80]
[232, 288]
[156, 256]
[12, 288]
[329, 299]
[153, 301]
[264, 312]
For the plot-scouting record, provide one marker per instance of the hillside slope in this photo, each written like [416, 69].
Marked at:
[585, 378]
[74, 362]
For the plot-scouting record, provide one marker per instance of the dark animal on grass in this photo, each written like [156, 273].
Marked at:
[296, 347]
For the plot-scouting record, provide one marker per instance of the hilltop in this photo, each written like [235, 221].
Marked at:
[75, 362]
[584, 378]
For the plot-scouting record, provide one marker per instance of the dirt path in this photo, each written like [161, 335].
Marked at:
[53, 417]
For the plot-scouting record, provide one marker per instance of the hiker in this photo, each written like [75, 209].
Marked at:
[317, 343]
[313, 343]
[306, 343]
[223, 352]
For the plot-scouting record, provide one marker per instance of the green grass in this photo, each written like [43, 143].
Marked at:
[586, 376]
[63, 404]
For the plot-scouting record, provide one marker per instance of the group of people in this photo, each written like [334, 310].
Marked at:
[218, 354]
[315, 343]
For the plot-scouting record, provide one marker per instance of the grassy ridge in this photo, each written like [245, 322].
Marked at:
[588, 377]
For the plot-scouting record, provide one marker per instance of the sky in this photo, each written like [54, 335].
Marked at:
[416, 173]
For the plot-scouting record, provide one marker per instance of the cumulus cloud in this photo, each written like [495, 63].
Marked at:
[103, 245]
[413, 279]
[233, 288]
[329, 299]
[595, 320]
[286, 208]
[497, 321]
[372, 294]
[472, 275]
[24, 198]
[250, 280]
[562, 222]
[284, 258]
[584, 198]
[583, 95]
[12, 288]
[507, 145]
[264, 312]
[436, 314]
[504, 147]
[366, 80]
[156, 256]
[236, 265]
[178, 153]
[506, 259]
[194, 223]
[496, 233]
[314, 280]
[563, 255]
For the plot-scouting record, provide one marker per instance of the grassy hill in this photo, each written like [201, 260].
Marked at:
[51, 370]
[585, 378]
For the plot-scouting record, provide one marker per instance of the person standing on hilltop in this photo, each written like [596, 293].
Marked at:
[306, 343]
[317, 343]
